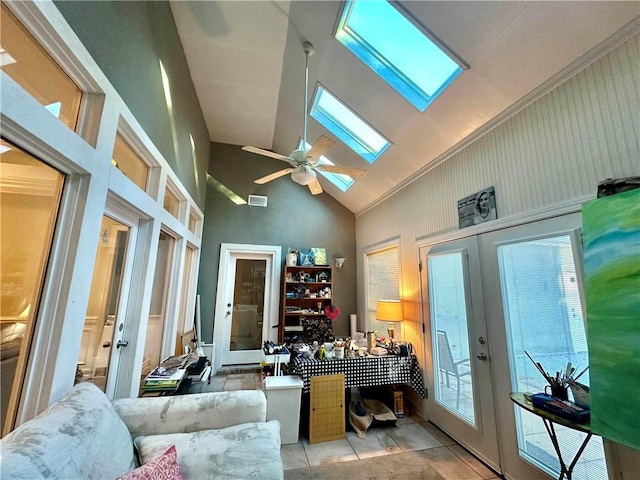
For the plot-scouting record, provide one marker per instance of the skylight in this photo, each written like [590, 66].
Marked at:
[397, 50]
[343, 182]
[352, 130]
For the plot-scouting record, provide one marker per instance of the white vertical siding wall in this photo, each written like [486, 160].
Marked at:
[553, 152]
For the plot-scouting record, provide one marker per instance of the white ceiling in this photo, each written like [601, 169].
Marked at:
[247, 64]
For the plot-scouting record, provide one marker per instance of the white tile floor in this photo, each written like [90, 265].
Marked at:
[451, 460]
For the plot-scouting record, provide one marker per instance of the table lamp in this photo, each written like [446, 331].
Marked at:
[389, 311]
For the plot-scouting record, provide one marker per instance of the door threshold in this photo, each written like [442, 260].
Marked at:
[239, 368]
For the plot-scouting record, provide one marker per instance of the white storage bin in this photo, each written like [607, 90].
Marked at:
[283, 404]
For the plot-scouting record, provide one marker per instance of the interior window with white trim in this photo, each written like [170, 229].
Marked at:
[382, 282]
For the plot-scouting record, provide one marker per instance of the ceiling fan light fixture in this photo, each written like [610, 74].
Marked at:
[303, 175]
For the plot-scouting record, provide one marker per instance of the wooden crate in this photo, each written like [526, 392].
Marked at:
[326, 408]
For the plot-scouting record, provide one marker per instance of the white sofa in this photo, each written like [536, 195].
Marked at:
[221, 435]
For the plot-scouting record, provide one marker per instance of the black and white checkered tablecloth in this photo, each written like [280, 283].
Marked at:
[368, 371]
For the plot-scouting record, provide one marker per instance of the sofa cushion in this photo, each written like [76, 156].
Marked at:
[80, 436]
[249, 450]
[164, 467]
[191, 413]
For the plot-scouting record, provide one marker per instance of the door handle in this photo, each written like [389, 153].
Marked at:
[122, 343]
[482, 356]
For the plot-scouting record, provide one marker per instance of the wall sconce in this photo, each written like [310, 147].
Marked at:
[338, 261]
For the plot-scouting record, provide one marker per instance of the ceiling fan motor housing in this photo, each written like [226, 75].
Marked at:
[303, 175]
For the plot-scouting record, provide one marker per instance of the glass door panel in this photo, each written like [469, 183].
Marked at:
[248, 305]
[450, 335]
[30, 193]
[543, 317]
[104, 299]
[157, 310]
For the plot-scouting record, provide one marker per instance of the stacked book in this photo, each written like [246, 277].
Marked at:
[164, 378]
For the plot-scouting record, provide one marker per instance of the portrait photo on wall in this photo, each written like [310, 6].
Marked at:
[477, 208]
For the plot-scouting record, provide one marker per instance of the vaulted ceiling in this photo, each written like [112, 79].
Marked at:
[247, 64]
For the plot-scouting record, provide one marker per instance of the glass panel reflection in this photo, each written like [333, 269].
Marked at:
[248, 305]
[543, 313]
[30, 193]
[97, 335]
[450, 335]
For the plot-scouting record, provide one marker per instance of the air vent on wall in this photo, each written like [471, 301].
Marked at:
[257, 200]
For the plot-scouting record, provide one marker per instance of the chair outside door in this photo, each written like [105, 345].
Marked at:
[448, 366]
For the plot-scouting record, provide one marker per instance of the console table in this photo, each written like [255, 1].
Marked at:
[549, 419]
[368, 371]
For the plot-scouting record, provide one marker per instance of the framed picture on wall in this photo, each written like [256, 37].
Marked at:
[477, 208]
[319, 256]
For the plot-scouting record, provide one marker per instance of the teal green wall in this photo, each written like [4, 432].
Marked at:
[293, 218]
[128, 40]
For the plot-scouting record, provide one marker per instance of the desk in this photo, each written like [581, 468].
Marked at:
[369, 371]
[549, 419]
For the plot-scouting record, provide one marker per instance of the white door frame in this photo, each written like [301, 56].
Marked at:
[229, 253]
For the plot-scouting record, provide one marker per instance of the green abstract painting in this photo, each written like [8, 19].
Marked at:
[611, 237]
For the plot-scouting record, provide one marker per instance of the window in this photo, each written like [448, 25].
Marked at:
[24, 60]
[412, 63]
[193, 222]
[171, 202]
[352, 130]
[449, 320]
[543, 315]
[158, 319]
[125, 159]
[30, 193]
[383, 282]
[343, 182]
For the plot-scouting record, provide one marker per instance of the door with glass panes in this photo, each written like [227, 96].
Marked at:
[461, 398]
[533, 291]
[514, 290]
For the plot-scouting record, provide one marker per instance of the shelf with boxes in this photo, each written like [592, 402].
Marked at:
[306, 291]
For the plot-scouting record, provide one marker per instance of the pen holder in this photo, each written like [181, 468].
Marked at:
[557, 391]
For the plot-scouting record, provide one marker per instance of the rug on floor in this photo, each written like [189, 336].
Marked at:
[411, 465]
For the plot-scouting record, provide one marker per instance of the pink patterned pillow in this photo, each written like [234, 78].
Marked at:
[164, 467]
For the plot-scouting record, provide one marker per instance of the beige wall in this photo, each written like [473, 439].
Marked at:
[553, 152]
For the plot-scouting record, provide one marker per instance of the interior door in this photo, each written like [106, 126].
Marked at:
[104, 322]
[461, 377]
[247, 303]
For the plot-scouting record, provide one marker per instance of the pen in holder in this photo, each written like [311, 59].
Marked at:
[558, 385]
[557, 390]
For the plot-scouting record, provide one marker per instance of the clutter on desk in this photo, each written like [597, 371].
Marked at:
[555, 398]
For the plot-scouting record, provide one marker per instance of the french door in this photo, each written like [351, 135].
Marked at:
[533, 289]
[489, 299]
[247, 303]
[462, 399]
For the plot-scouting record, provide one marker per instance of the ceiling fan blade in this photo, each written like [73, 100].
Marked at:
[322, 145]
[352, 172]
[267, 153]
[273, 176]
[314, 187]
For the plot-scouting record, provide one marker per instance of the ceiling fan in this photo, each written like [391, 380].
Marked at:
[304, 162]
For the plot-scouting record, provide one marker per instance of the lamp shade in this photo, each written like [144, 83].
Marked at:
[389, 311]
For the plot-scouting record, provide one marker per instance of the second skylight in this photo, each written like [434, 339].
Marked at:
[352, 130]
